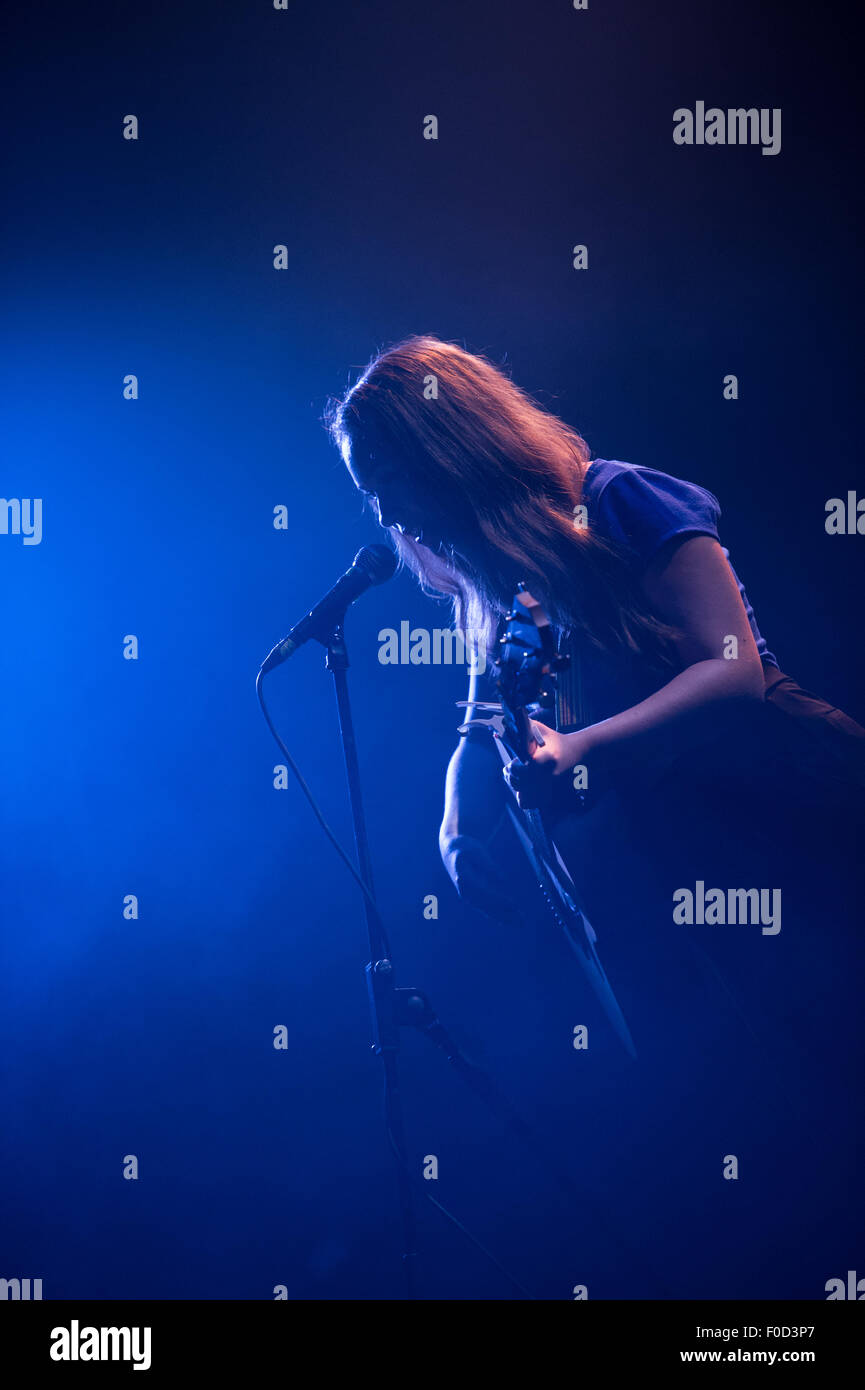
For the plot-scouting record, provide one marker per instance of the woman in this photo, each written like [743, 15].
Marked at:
[481, 489]
[709, 765]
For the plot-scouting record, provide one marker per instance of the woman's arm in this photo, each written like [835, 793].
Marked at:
[474, 792]
[690, 587]
[475, 798]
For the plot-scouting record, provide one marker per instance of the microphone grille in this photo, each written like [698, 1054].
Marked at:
[378, 563]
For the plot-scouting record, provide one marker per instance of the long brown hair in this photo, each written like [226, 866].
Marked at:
[460, 429]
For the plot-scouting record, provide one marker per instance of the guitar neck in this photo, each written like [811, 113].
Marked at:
[518, 735]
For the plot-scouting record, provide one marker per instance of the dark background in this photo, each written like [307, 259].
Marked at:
[154, 1037]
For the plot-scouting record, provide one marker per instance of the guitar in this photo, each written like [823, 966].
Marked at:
[523, 674]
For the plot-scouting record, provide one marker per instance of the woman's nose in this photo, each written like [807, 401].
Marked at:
[386, 517]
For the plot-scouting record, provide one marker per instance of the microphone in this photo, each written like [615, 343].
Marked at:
[372, 565]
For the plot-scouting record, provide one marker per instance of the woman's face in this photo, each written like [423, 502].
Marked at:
[400, 503]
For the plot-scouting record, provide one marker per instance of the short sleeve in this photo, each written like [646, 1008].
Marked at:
[641, 509]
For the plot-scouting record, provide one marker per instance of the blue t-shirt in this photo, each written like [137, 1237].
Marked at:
[640, 509]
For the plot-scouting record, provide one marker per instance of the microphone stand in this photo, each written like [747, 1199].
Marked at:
[379, 970]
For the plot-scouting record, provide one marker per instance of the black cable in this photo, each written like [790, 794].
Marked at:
[315, 807]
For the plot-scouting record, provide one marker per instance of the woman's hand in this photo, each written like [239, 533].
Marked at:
[550, 766]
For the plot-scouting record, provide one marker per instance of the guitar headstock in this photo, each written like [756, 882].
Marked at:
[524, 667]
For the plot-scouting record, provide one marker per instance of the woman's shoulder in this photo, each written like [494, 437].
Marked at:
[643, 507]
[637, 477]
